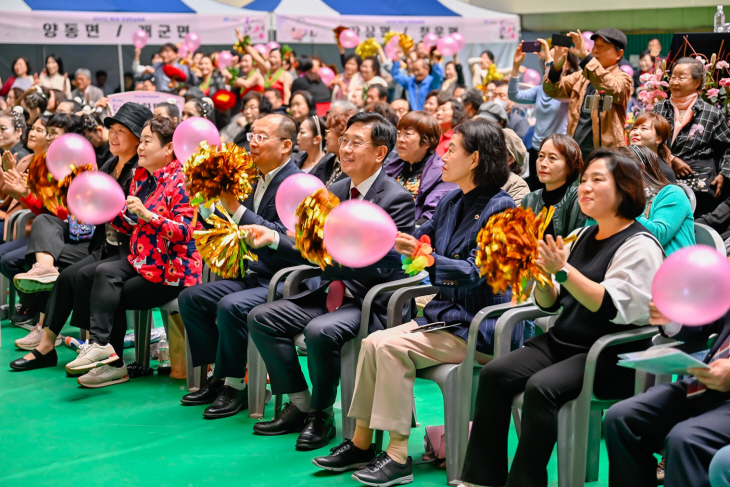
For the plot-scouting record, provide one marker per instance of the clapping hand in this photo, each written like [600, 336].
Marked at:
[136, 207]
[552, 256]
[15, 184]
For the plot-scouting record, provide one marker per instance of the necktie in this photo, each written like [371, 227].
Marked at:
[695, 387]
[354, 193]
[336, 291]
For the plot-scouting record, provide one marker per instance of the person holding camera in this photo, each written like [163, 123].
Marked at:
[599, 73]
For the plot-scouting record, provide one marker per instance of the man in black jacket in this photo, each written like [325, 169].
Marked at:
[689, 418]
[330, 315]
[229, 301]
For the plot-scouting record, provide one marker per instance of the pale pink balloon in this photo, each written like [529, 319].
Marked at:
[447, 46]
[349, 38]
[460, 41]
[292, 191]
[587, 38]
[359, 233]
[532, 77]
[192, 41]
[627, 69]
[692, 286]
[224, 59]
[190, 133]
[395, 40]
[272, 45]
[326, 74]
[391, 51]
[430, 40]
[94, 197]
[261, 48]
[182, 51]
[66, 151]
[140, 38]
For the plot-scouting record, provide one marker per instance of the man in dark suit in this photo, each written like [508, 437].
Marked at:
[229, 301]
[690, 418]
[330, 315]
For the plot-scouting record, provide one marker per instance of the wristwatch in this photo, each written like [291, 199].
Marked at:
[562, 275]
[548, 64]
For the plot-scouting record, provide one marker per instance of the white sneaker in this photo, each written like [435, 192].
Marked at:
[33, 339]
[91, 356]
[103, 376]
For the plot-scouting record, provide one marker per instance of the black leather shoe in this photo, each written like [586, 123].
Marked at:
[383, 471]
[290, 420]
[345, 456]
[205, 395]
[318, 431]
[229, 402]
[41, 361]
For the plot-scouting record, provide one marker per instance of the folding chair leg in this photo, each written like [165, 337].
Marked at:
[517, 420]
[348, 359]
[594, 447]
[456, 428]
[192, 373]
[142, 338]
[256, 382]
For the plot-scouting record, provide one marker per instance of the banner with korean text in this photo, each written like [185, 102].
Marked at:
[51, 27]
[318, 30]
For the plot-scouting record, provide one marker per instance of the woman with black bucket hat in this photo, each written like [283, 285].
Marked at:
[106, 245]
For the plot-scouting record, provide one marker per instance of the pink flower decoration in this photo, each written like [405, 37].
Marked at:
[696, 129]
[725, 82]
[722, 65]
[645, 77]
[712, 92]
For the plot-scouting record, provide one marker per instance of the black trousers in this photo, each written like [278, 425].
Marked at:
[65, 296]
[228, 303]
[51, 235]
[691, 430]
[532, 180]
[273, 327]
[550, 375]
[117, 287]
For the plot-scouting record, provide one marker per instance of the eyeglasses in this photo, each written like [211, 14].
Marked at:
[356, 144]
[405, 135]
[260, 137]
[681, 79]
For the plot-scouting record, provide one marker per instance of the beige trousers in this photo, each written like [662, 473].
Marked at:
[387, 368]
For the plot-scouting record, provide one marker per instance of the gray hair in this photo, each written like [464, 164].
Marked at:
[83, 71]
[342, 106]
[697, 67]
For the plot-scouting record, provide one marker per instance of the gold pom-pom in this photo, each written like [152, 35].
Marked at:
[311, 216]
[64, 184]
[507, 251]
[223, 247]
[405, 41]
[212, 170]
[43, 185]
[367, 48]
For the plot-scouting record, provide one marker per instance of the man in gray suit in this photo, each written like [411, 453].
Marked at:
[87, 92]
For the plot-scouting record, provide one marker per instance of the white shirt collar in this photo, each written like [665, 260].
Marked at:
[364, 187]
[266, 178]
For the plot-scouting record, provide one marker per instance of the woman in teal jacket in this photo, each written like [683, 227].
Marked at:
[668, 214]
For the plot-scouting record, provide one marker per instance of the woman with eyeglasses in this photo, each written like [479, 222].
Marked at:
[700, 134]
[310, 140]
[418, 167]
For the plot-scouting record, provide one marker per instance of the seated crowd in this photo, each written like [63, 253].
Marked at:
[440, 160]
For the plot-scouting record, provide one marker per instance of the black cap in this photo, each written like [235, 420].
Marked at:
[131, 115]
[193, 92]
[614, 36]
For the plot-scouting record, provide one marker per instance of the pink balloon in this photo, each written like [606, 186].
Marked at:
[292, 191]
[192, 41]
[262, 49]
[391, 51]
[140, 38]
[692, 286]
[460, 41]
[190, 133]
[349, 39]
[359, 233]
[326, 74]
[532, 77]
[587, 38]
[430, 40]
[395, 41]
[68, 150]
[224, 59]
[627, 69]
[94, 197]
[272, 45]
[182, 51]
[447, 46]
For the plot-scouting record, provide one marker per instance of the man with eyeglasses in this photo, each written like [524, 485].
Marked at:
[599, 71]
[215, 313]
[328, 316]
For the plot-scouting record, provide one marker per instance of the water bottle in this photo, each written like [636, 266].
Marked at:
[719, 19]
[163, 361]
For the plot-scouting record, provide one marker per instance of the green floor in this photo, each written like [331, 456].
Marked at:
[55, 433]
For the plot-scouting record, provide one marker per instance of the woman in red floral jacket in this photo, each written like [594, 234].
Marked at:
[163, 261]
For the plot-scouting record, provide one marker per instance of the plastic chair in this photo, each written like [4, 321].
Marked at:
[456, 381]
[579, 420]
[690, 194]
[16, 222]
[705, 235]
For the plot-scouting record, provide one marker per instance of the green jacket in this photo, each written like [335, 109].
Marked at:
[567, 216]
